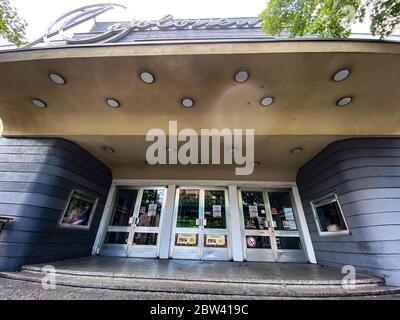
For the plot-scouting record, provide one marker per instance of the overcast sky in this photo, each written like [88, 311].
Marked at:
[40, 13]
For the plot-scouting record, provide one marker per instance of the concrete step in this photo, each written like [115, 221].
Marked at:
[361, 281]
[209, 287]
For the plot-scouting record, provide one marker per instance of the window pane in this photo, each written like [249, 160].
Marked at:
[254, 210]
[258, 242]
[117, 237]
[188, 208]
[150, 208]
[330, 217]
[282, 211]
[215, 241]
[288, 242]
[214, 210]
[149, 239]
[123, 207]
[186, 240]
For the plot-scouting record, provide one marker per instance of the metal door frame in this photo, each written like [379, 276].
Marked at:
[198, 252]
[278, 255]
[128, 249]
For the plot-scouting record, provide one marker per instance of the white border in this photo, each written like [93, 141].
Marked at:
[317, 222]
[92, 212]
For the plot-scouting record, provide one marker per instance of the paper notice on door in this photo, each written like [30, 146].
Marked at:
[152, 210]
[288, 213]
[253, 211]
[217, 211]
[142, 210]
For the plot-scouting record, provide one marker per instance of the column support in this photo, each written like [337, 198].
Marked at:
[236, 225]
[305, 233]
[166, 227]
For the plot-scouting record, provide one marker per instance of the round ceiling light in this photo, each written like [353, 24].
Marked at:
[39, 103]
[187, 102]
[113, 103]
[56, 78]
[341, 75]
[108, 149]
[147, 77]
[241, 76]
[296, 150]
[267, 101]
[344, 101]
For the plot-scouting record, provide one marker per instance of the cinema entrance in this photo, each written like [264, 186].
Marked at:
[205, 222]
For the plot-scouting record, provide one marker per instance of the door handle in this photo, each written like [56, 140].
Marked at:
[130, 220]
[197, 222]
[204, 222]
[137, 220]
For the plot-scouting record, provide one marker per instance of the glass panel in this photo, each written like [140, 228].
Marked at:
[188, 208]
[186, 240]
[258, 242]
[124, 205]
[150, 208]
[330, 217]
[254, 210]
[215, 241]
[282, 211]
[117, 237]
[214, 209]
[149, 239]
[288, 242]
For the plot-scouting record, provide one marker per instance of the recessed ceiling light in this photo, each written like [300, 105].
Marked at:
[241, 76]
[147, 77]
[39, 103]
[344, 101]
[187, 102]
[56, 78]
[341, 75]
[296, 150]
[267, 101]
[108, 150]
[113, 103]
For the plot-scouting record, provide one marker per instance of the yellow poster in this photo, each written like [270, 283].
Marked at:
[215, 241]
[186, 239]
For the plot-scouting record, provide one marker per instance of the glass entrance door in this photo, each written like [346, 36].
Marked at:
[201, 224]
[135, 223]
[270, 227]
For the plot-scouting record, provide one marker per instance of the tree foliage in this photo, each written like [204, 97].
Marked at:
[329, 18]
[12, 27]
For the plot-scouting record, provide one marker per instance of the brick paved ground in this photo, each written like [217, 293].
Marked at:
[21, 290]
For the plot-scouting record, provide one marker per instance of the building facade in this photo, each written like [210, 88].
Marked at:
[77, 109]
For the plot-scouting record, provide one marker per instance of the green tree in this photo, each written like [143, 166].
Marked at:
[329, 18]
[12, 27]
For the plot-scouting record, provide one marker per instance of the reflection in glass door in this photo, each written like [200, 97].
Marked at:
[270, 228]
[145, 229]
[116, 238]
[135, 223]
[201, 224]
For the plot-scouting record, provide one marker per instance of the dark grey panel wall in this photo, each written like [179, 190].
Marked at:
[365, 173]
[36, 178]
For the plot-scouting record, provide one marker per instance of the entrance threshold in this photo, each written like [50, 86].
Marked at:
[195, 270]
